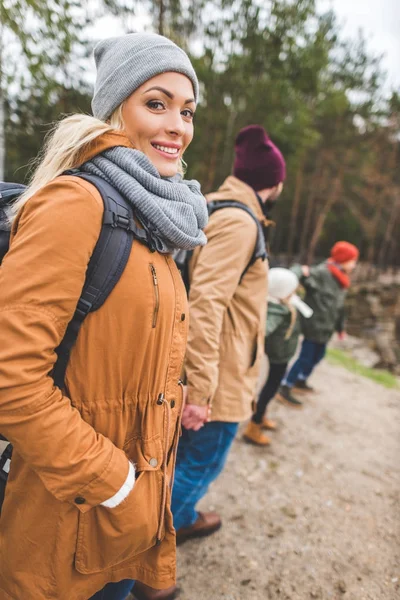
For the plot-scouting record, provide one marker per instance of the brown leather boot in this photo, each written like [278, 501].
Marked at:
[253, 434]
[269, 424]
[141, 591]
[206, 524]
[284, 395]
[301, 387]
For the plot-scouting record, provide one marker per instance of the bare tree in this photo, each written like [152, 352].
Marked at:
[331, 200]
[294, 224]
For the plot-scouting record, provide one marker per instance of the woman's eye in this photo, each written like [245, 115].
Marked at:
[155, 105]
[188, 113]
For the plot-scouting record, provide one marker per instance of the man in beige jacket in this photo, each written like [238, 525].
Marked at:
[227, 301]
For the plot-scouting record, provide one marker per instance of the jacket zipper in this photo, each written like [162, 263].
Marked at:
[156, 294]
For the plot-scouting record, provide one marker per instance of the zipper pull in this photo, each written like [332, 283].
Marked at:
[154, 273]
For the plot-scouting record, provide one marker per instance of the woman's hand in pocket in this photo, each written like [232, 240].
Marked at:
[124, 491]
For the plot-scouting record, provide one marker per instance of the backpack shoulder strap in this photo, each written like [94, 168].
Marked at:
[105, 267]
[8, 193]
[259, 248]
[182, 259]
[218, 204]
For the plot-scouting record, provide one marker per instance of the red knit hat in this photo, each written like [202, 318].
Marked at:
[258, 162]
[343, 252]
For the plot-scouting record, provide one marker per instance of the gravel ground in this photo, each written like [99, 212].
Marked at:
[315, 515]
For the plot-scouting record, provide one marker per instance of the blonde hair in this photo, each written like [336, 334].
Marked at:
[64, 145]
[293, 317]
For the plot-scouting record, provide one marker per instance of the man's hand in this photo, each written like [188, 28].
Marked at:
[194, 417]
[305, 270]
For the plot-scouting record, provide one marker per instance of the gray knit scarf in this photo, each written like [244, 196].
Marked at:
[172, 210]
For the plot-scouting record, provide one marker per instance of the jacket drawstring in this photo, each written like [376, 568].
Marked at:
[178, 433]
[167, 420]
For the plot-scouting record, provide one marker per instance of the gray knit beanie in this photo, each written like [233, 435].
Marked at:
[124, 63]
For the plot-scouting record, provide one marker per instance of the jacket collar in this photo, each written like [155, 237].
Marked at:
[102, 143]
[235, 189]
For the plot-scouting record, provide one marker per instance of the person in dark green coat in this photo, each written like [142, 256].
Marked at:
[282, 335]
[326, 285]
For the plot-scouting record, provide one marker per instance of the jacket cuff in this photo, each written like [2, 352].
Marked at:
[105, 485]
[124, 491]
[197, 398]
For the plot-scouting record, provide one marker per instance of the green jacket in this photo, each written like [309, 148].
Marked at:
[326, 297]
[278, 349]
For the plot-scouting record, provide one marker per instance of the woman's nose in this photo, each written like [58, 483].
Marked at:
[175, 124]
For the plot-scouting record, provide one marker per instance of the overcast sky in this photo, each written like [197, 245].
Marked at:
[380, 21]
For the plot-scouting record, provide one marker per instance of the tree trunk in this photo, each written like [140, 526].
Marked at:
[2, 137]
[332, 199]
[2, 113]
[213, 162]
[227, 153]
[294, 224]
[315, 187]
[161, 15]
[387, 241]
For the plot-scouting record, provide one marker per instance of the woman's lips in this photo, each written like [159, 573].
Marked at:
[171, 152]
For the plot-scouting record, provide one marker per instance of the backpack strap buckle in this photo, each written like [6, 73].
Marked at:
[121, 221]
[115, 219]
[83, 308]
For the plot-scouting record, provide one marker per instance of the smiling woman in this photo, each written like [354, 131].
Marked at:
[158, 118]
[100, 477]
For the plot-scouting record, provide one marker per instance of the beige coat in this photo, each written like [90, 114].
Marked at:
[74, 447]
[227, 314]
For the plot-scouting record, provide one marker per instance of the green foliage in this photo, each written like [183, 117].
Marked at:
[284, 66]
[278, 63]
[29, 122]
[37, 39]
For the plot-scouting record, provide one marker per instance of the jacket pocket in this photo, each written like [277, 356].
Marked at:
[156, 294]
[110, 536]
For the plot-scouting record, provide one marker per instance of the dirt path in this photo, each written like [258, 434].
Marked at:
[315, 516]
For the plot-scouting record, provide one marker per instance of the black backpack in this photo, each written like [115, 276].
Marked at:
[105, 268]
[183, 257]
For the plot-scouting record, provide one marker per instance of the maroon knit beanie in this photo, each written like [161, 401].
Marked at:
[258, 162]
[343, 252]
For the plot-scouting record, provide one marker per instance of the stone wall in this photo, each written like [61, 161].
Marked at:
[373, 313]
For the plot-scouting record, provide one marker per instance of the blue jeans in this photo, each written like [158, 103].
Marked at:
[114, 591]
[201, 457]
[310, 355]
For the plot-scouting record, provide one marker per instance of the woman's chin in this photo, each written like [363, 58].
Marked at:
[166, 170]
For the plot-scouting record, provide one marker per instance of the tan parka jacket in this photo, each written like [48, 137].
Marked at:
[122, 401]
[227, 312]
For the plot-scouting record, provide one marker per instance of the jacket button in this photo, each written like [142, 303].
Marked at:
[153, 462]
[183, 316]
[79, 500]
[172, 403]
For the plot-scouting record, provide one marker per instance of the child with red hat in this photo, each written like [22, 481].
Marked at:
[326, 285]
